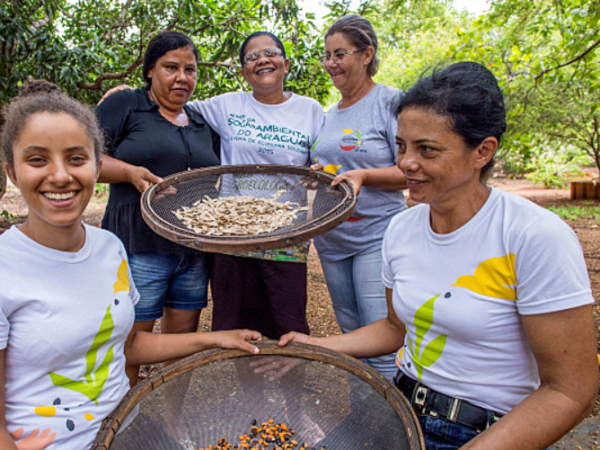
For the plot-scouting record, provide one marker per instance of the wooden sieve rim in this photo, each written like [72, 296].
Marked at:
[336, 216]
[382, 385]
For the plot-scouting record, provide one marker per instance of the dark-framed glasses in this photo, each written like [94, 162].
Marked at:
[268, 52]
[337, 57]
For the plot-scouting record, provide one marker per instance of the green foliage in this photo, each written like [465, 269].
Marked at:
[544, 54]
[101, 189]
[414, 38]
[553, 170]
[87, 46]
[28, 35]
[7, 215]
[576, 212]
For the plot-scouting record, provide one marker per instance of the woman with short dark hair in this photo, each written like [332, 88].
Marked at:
[487, 293]
[152, 133]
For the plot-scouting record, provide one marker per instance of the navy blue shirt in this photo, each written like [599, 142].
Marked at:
[138, 134]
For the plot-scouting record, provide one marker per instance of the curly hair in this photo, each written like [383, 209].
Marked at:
[38, 97]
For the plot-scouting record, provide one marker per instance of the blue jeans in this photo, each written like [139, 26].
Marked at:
[441, 434]
[358, 298]
[178, 282]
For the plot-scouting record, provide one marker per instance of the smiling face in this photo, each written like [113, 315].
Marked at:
[266, 74]
[56, 170]
[351, 72]
[173, 78]
[439, 168]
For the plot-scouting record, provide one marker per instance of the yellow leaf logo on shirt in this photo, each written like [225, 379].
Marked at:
[331, 168]
[122, 283]
[494, 277]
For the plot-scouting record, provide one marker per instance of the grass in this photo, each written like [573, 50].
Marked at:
[587, 210]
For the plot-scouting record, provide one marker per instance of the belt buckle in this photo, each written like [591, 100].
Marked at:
[420, 396]
[495, 418]
[453, 409]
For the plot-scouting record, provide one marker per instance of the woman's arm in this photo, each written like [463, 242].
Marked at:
[382, 177]
[114, 90]
[6, 440]
[379, 338]
[113, 119]
[149, 348]
[564, 345]
[116, 171]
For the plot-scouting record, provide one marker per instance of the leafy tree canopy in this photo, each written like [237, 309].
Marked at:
[86, 46]
[544, 53]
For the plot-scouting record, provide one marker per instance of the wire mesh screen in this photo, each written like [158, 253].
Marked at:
[318, 207]
[328, 402]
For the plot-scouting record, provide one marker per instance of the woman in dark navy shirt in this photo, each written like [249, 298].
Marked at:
[151, 133]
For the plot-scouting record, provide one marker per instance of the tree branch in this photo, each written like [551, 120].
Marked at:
[577, 58]
[126, 7]
[97, 84]
[227, 65]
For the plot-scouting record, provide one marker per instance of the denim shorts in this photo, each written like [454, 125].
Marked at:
[178, 282]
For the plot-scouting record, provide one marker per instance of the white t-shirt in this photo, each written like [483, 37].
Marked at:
[461, 295]
[64, 319]
[256, 133]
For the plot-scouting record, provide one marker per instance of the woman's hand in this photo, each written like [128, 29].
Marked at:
[121, 87]
[355, 177]
[237, 339]
[35, 440]
[294, 336]
[142, 178]
[169, 190]
[116, 171]
[279, 366]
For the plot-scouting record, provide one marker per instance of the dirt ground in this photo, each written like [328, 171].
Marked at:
[320, 313]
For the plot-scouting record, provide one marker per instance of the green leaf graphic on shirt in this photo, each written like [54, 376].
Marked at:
[314, 146]
[358, 135]
[432, 352]
[95, 378]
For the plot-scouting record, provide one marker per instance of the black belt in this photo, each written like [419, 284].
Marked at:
[427, 402]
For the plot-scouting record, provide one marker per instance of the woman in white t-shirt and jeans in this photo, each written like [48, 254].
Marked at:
[488, 294]
[66, 296]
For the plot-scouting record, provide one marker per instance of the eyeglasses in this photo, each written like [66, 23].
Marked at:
[337, 57]
[268, 52]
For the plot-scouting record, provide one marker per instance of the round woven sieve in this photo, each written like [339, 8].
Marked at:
[327, 206]
[329, 399]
